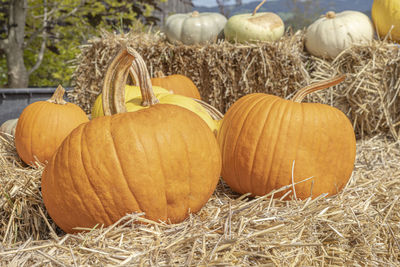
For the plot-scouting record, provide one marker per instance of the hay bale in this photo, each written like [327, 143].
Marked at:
[371, 94]
[359, 226]
[223, 72]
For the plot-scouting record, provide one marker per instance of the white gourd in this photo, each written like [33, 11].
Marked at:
[331, 34]
[194, 28]
[8, 127]
[253, 27]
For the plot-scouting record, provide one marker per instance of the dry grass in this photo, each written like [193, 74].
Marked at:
[359, 226]
[224, 72]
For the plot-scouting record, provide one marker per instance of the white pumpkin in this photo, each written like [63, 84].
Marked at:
[194, 27]
[8, 127]
[250, 27]
[331, 34]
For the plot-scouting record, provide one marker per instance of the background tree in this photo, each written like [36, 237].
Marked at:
[42, 36]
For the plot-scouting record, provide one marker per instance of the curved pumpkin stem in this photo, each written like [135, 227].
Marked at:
[299, 96]
[58, 96]
[214, 113]
[258, 7]
[134, 76]
[115, 81]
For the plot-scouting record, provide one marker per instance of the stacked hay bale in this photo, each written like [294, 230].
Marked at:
[223, 72]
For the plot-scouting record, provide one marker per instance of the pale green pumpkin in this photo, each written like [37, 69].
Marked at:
[264, 26]
[194, 28]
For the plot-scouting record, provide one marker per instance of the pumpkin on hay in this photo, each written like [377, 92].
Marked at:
[43, 125]
[263, 26]
[131, 92]
[268, 143]
[386, 16]
[176, 84]
[194, 27]
[162, 160]
[133, 101]
[333, 33]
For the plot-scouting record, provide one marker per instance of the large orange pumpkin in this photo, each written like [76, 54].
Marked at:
[162, 160]
[264, 138]
[43, 125]
[177, 84]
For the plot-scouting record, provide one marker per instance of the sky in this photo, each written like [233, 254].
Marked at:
[210, 3]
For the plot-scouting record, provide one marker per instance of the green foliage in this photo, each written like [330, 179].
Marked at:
[70, 23]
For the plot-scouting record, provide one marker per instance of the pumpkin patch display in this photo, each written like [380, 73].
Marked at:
[386, 17]
[162, 160]
[43, 125]
[194, 28]
[177, 84]
[268, 142]
[263, 26]
[331, 34]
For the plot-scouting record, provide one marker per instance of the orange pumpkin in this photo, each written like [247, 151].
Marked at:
[265, 139]
[43, 125]
[177, 84]
[162, 160]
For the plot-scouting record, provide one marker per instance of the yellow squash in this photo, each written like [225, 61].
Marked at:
[133, 102]
[130, 93]
[386, 14]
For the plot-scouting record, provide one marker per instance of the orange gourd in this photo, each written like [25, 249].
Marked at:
[43, 125]
[177, 84]
[264, 139]
[162, 160]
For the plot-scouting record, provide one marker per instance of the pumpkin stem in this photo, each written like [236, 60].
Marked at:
[116, 77]
[134, 76]
[330, 15]
[299, 96]
[159, 74]
[58, 96]
[258, 7]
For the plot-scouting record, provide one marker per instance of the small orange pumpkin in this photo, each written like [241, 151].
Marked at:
[162, 160]
[264, 138]
[177, 84]
[43, 125]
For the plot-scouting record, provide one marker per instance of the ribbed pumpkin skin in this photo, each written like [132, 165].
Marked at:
[177, 84]
[386, 13]
[163, 160]
[42, 126]
[261, 135]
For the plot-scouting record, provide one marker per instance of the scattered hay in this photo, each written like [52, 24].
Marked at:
[224, 72]
[359, 226]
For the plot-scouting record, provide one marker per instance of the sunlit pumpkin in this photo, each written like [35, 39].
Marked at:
[43, 125]
[133, 101]
[334, 32]
[253, 27]
[162, 160]
[177, 84]
[268, 142]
